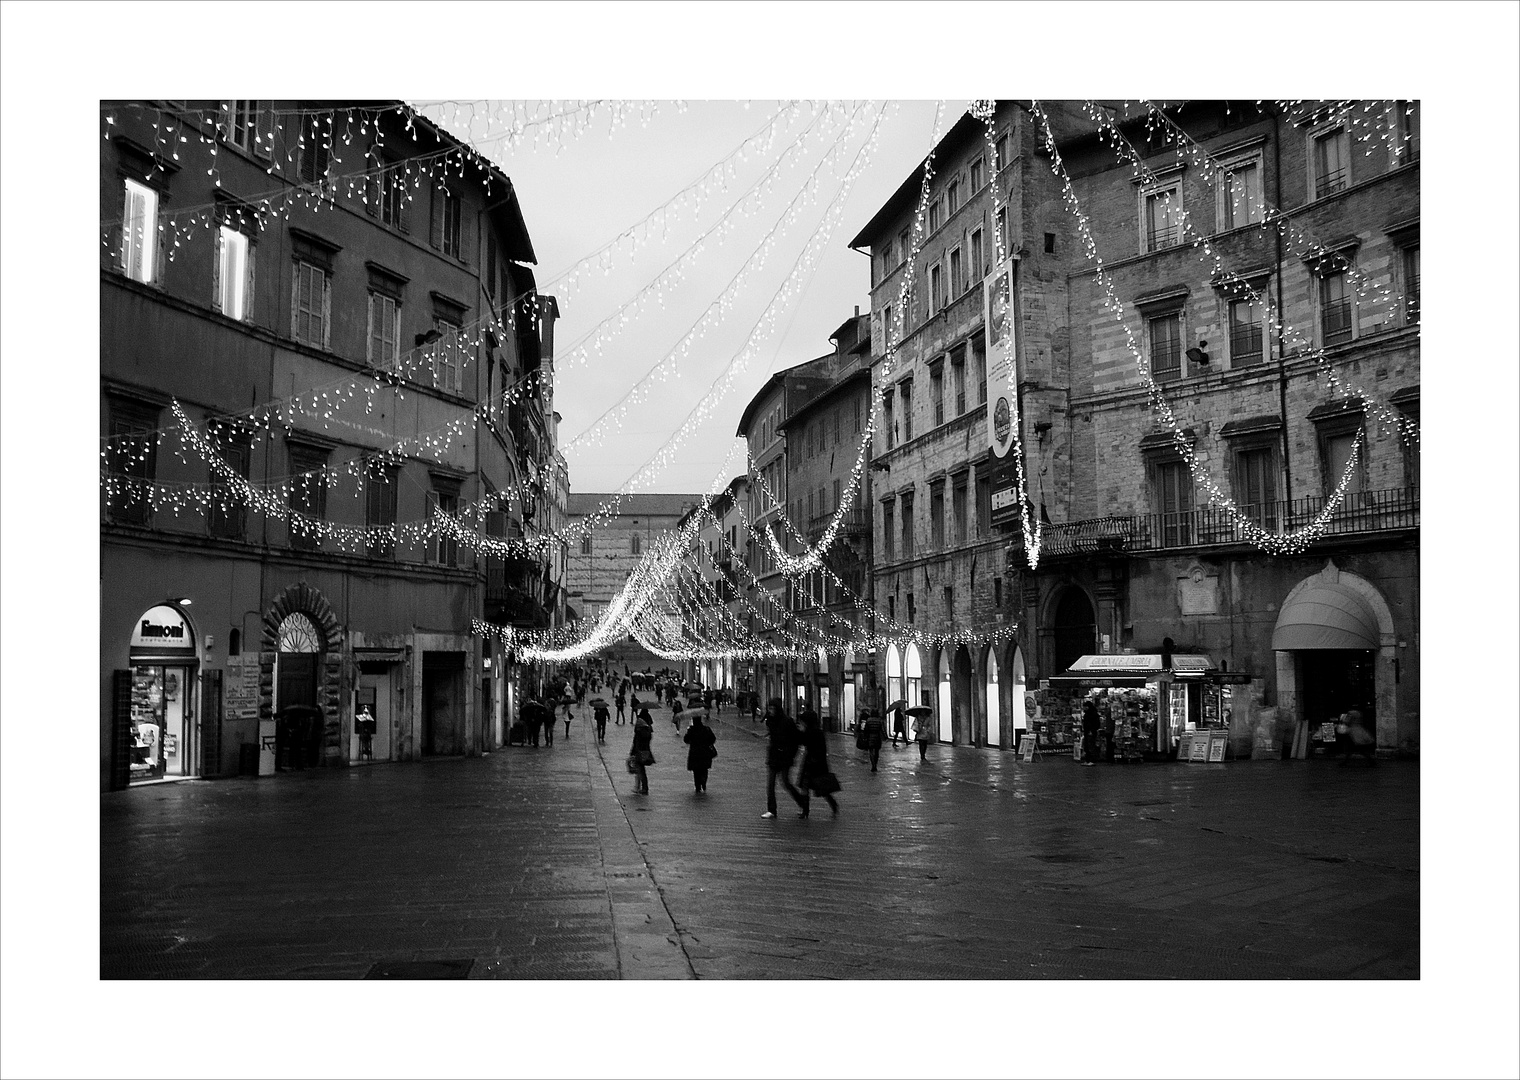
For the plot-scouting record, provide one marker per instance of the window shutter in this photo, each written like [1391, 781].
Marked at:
[435, 236]
[121, 729]
[216, 269]
[369, 335]
[159, 253]
[248, 284]
[372, 186]
[403, 218]
[263, 135]
[436, 543]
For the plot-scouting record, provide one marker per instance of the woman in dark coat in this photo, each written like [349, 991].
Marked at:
[641, 754]
[814, 777]
[872, 736]
[701, 739]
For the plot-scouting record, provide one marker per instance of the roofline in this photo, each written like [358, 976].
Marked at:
[862, 374]
[907, 192]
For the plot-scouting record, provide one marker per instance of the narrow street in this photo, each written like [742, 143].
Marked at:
[542, 864]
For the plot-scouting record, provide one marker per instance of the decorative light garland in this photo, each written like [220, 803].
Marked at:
[1274, 543]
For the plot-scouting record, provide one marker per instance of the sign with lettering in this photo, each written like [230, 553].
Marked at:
[162, 629]
[240, 688]
[1002, 348]
[1029, 746]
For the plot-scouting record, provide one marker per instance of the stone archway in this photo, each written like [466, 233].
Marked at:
[302, 599]
[1290, 703]
[960, 697]
[1074, 627]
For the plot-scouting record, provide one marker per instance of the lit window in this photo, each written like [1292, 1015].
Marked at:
[234, 273]
[139, 232]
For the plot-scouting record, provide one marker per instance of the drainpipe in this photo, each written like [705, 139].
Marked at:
[1282, 371]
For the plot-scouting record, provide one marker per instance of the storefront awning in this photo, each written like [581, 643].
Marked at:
[1130, 669]
[1326, 615]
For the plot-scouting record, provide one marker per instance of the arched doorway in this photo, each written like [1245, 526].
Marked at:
[1335, 647]
[306, 670]
[962, 718]
[822, 688]
[913, 676]
[297, 668]
[942, 682]
[894, 676]
[994, 701]
[1075, 628]
[1018, 711]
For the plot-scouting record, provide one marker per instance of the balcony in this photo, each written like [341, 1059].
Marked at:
[513, 593]
[856, 521]
[1360, 513]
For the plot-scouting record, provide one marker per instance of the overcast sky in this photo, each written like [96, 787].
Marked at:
[579, 192]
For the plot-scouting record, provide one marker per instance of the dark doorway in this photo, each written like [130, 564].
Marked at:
[1335, 680]
[1075, 630]
[297, 687]
[443, 717]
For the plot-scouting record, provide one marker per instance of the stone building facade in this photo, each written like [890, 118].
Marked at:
[1256, 323]
[822, 436]
[598, 565]
[365, 347]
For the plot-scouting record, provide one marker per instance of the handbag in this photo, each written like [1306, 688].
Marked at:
[632, 763]
[825, 784]
[712, 752]
[646, 757]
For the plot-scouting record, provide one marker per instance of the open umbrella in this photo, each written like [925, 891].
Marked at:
[920, 711]
[598, 701]
[900, 704]
[567, 700]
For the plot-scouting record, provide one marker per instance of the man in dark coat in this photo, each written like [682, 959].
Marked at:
[814, 776]
[872, 735]
[533, 717]
[784, 741]
[701, 739]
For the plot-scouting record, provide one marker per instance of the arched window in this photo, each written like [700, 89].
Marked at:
[994, 705]
[298, 635]
[914, 676]
[586, 544]
[235, 642]
[634, 544]
[942, 698]
[894, 675]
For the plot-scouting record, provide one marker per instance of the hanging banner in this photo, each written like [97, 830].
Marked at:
[1002, 347]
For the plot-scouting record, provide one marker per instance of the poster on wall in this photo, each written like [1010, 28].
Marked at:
[1002, 348]
[240, 688]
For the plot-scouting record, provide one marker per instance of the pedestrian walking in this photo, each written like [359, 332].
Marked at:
[872, 734]
[1090, 732]
[779, 755]
[923, 732]
[1356, 739]
[622, 702]
[599, 712]
[569, 716]
[675, 713]
[814, 777]
[899, 726]
[638, 706]
[549, 725]
[641, 756]
[533, 715]
[703, 743]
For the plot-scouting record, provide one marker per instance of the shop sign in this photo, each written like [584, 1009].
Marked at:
[162, 629]
[240, 688]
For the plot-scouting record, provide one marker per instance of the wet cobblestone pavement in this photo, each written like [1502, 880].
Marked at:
[542, 864]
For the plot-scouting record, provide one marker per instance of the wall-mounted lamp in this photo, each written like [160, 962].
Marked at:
[428, 338]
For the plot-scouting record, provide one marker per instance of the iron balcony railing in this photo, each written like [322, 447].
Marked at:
[1245, 345]
[1166, 360]
[1329, 182]
[1360, 512]
[856, 520]
[1335, 321]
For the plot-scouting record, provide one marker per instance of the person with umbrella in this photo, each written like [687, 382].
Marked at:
[600, 713]
[923, 728]
[533, 716]
[641, 756]
[899, 722]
